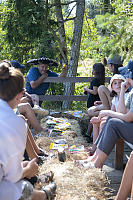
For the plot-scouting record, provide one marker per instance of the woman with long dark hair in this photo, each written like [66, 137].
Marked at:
[98, 72]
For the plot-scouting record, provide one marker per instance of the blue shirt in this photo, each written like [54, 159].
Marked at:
[33, 75]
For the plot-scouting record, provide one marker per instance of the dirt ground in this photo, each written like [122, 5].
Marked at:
[72, 182]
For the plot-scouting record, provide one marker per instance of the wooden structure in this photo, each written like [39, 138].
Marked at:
[67, 80]
[119, 153]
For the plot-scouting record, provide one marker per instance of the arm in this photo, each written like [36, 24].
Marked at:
[64, 71]
[94, 91]
[121, 103]
[37, 82]
[127, 117]
[30, 168]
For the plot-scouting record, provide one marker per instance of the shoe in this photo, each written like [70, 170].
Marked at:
[38, 110]
[49, 190]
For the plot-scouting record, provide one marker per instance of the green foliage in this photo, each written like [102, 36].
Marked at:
[114, 31]
[27, 34]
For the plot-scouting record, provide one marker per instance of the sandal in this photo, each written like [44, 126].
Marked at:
[46, 178]
[49, 190]
[42, 153]
[40, 160]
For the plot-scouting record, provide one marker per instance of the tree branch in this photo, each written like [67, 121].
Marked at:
[63, 4]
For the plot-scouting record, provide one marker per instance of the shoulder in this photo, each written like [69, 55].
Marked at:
[33, 69]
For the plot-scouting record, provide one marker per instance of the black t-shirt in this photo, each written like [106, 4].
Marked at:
[91, 97]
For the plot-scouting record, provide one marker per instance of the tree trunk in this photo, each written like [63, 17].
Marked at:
[61, 32]
[75, 50]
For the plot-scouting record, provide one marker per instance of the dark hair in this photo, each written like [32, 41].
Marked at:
[113, 93]
[116, 66]
[11, 81]
[99, 72]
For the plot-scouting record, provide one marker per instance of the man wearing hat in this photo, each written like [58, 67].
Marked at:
[36, 75]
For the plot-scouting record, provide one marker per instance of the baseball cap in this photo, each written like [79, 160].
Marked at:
[115, 60]
[16, 64]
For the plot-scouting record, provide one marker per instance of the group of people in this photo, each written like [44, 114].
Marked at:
[110, 109]
[111, 118]
[16, 141]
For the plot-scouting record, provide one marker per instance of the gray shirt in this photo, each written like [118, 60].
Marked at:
[129, 101]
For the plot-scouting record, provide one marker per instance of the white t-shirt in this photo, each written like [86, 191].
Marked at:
[115, 100]
[13, 135]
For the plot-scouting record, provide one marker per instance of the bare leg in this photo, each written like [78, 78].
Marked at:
[27, 111]
[30, 149]
[104, 95]
[132, 191]
[127, 180]
[94, 111]
[95, 135]
[36, 148]
[97, 160]
[38, 194]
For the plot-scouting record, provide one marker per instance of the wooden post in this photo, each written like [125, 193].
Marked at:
[119, 153]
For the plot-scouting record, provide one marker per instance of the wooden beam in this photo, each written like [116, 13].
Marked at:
[119, 153]
[71, 79]
[62, 97]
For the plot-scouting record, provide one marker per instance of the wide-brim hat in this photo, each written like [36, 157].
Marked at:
[17, 65]
[116, 77]
[43, 60]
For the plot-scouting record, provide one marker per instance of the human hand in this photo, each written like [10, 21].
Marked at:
[24, 100]
[44, 75]
[103, 113]
[64, 67]
[32, 168]
[125, 85]
[96, 103]
[130, 81]
[85, 88]
[95, 120]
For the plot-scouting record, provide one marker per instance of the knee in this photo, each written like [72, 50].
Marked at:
[91, 111]
[111, 122]
[24, 107]
[101, 89]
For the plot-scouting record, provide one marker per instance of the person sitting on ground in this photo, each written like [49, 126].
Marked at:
[13, 141]
[35, 78]
[32, 99]
[126, 186]
[115, 88]
[105, 102]
[118, 125]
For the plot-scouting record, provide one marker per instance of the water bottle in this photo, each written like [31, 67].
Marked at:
[61, 155]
